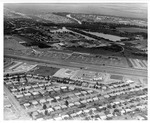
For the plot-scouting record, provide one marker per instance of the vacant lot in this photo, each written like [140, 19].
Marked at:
[13, 43]
[44, 70]
[116, 77]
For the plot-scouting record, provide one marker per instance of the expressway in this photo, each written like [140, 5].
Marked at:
[109, 69]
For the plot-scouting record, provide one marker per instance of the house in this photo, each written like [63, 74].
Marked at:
[35, 93]
[27, 94]
[41, 111]
[86, 110]
[71, 88]
[34, 102]
[91, 85]
[50, 110]
[77, 103]
[106, 96]
[8, 106]
[19, 96]
[49, 99]
[27, 87]
[41, 85]
[140, 118]
[58, 118]
[89, 100]
[35, 114]
[48, 84]
[122, 111]
[65, 116]
[71, 104]
[34, 86]
[110, 115]
[63, 106]
[83, 101]
[84, 92]
[42, 101]
[26, 105]
[57, 108]
[8, 83]
[13, 90]
[73, 115]
[116, 103]
[63, 87]
[90, 91]
[103, 116]
[57, 97]
[95, 98]
[128, 110]
[77, 94]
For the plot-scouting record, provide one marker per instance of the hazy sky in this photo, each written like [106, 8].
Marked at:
[137, 10]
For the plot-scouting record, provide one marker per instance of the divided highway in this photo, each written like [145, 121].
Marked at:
[109, 69]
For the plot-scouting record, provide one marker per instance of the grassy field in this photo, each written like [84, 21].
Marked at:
[44, 70]
[132, 29]
[13, 43]
[116, 77]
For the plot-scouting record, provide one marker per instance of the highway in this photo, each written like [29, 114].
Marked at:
[108, 69]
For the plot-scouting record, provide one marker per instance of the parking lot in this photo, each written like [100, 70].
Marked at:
[139, 64]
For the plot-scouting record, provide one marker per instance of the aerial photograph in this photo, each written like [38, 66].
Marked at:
[75, 61]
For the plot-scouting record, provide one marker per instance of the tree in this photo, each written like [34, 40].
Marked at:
[44, 106]
[66, 103]
[46, 112]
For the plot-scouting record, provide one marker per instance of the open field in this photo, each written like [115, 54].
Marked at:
[55, 18]
[99, 60]
[44, 70]
[132, 29]
[13, 43]
[117, 77]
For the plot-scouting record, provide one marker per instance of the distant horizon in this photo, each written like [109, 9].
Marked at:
[134, 10]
